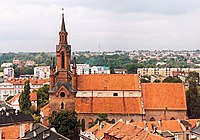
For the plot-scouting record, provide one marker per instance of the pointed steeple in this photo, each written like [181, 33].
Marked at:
[63, 22]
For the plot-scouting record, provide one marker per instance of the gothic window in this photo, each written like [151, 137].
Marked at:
[62, 105]
[62, 94]
[83, 124]
[152, 119]
[115, 94]
[63, 60]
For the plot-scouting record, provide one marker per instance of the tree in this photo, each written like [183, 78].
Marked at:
[171, 79]
[24, 99]
[43, 96]
[192, 96]
[102, 117]
[65, 122]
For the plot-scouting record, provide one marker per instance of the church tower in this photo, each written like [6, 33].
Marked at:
[62, 93]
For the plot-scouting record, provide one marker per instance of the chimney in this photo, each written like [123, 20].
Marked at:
[160, 123]
[34, 133]
[31, 126]
[22, 130]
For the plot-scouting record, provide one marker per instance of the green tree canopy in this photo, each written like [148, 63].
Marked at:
[192, 96]
[43, 96]
[24, 99]
[65, 122]
[171, 79]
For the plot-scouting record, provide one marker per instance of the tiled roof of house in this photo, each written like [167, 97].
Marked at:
[10, 116]
[118, 105]
[33, 97]
[13, 99]
[12, 132]
[40, 131]
[34, 81]
[171, 125]
[108, 82]
[46, 110]
[164, 95]
[99, 132]
[128, 131]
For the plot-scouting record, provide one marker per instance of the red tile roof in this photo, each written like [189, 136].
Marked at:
[13, 99]
[171, 125]
[117, 105]
[164, 95]
[34, 81]
[97, 131]
[33, 96]
[46, 110]
[13, 132]
[128, 131]
[108, 82]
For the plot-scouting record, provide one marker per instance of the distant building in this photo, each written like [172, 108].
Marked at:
[8, 73]
[18, 62]
[14, 124]
[42, 72]
[87, 69]
[120, 71]
[30, 63]
[15, 86]
[14, 102]
[6, 65]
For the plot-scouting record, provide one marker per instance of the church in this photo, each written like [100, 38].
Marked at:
[120, 96]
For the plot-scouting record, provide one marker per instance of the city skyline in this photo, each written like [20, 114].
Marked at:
[106, 25]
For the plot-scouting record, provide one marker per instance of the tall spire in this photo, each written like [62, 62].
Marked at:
[63, 21]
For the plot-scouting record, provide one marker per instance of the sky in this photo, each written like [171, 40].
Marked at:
[105, 25]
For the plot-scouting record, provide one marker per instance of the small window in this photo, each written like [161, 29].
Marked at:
[172, 118]
[62, 94]
[62, 105]
[152, 119]
[115, 94]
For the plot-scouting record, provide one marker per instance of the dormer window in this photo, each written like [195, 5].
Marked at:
[115, 94]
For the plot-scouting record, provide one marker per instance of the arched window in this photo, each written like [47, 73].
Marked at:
[115, 94]
[172, 118]
[83, 124]
[152, 119]
[62, 105]
[62, 94]
[63, 60]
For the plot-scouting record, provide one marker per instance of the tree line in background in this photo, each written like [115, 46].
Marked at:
[112, 61]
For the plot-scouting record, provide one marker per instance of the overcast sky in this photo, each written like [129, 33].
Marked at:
[33, 25]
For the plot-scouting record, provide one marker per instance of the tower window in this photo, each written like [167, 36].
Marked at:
[62, 94]
[115, 94]
[63, 60]
[62, 105]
